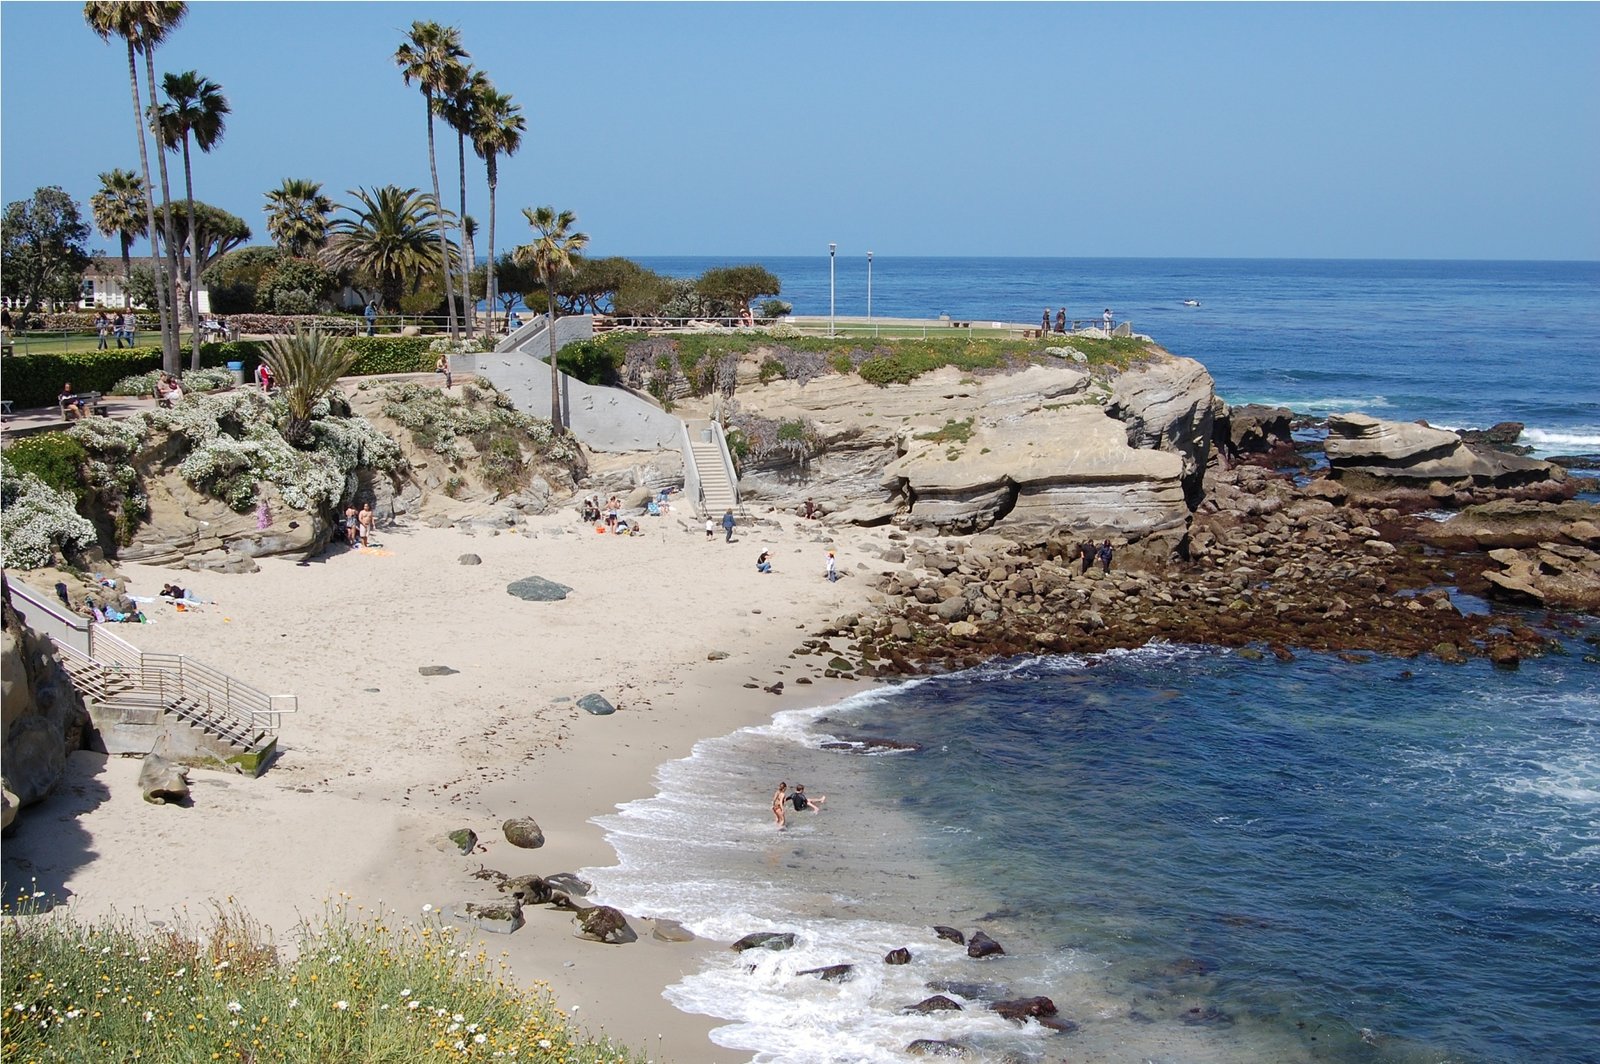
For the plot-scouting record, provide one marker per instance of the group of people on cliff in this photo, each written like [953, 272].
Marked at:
[1107, 320]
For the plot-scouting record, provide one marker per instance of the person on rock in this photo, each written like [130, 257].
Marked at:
[1105, 556]
[1086, 553]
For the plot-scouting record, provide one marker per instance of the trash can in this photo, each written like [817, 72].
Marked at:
[237, 368]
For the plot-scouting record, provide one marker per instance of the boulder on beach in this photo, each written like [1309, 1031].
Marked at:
[1022, 1008]
[596, 705]
[537, 589]
[602, 923]
[528, 890]
[162, 782]
[897, 956]
[463, 839]
[981, 945]
[568, 883]
[498, 917]
[523, 832]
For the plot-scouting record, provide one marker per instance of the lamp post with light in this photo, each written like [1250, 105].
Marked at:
[831, 249]
[869, 294]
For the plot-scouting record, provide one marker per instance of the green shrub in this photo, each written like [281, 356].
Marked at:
[597, 360]
[391, 354]
[356, 987]
[55, 458]
[32, 381]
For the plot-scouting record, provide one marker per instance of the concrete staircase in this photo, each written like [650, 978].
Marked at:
[708, 476]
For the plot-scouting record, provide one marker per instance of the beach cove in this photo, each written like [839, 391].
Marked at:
[381, 762]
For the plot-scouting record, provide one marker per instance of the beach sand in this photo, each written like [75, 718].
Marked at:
[380, 762]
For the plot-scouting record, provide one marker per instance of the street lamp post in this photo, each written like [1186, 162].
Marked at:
[869, 294]
[831, 249]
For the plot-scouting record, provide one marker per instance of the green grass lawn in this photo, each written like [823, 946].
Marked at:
[68, 343]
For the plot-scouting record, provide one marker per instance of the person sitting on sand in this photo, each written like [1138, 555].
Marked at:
[764, 562]
[779, 797]
[802, 801]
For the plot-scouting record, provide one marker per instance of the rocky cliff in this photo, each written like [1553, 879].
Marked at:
[44, 719]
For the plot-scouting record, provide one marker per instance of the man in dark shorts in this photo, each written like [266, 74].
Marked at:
[803, 801]
[1086, 552]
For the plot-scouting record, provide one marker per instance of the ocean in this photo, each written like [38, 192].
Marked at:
[1197, 855]
[1459, 344]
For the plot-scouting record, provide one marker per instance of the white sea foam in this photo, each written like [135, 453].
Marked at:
[1331, 404]
[1580, 440]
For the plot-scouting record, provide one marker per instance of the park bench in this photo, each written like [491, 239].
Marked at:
[92, 400]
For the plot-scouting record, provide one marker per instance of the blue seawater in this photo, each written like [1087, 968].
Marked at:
[1196, 855]
[1460, 344]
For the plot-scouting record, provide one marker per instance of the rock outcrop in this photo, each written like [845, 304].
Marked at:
[1167, 405]
[1362, 447]
[44, 718]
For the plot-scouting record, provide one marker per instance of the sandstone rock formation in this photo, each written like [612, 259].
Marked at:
[1360, 446]
[1167, 405]
[44, 718]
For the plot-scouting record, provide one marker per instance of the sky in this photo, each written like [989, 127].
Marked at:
[1429, 131]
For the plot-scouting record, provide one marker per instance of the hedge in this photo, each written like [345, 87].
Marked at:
[33, 381]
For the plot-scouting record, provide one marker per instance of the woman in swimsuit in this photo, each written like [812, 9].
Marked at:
[778, 798]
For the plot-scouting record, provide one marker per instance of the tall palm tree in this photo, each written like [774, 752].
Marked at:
[459, 109]
[119, 211]
[143, 25]
[497, 130]
[551, 253]
[431, 56]
[297, 216]
[195, 109]
[389, 238]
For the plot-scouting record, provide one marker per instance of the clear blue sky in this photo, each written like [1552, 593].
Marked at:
[1255, 130]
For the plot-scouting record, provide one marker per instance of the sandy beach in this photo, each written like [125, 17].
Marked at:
[380, 762]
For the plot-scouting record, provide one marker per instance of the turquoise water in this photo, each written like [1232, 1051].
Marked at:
[1195, 855]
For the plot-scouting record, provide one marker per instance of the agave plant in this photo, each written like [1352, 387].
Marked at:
[306, 366]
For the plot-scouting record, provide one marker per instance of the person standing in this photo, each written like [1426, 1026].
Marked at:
[102, 330]
[372, 318]
[350, 524]
[1061, 320]
[364, 518]
[1105, 556]
[443, 366]
[833, 568]
[1044, 327]
[727, 525]
[130, 327]
[1086, 552]
[711, 528]
[779, 798]
[1107, 319]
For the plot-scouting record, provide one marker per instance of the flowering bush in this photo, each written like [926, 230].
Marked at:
[358, 988]
[193, 380]
[37, 521]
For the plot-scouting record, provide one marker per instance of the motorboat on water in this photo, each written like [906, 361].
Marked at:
[1191, 302]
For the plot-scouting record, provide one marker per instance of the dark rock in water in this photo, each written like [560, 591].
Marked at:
[602, 923]
[933, 1047]
[571, 884]
[764, 940]
[1576, 461]
[1057, 1024]
[871, 745]
[950, 934]
[1501, 436]
[537, 589]
[596, 704]
[1206, 1016]
[1505, 656]
[970, 991]
[1022, 1008]
[897, 956]
[523, 832]
[937, 1003]
[469, 559]
[437, 670]
[1000, 914]
[833, 973]
[465, 839]
[981, 945]
[1450, 654]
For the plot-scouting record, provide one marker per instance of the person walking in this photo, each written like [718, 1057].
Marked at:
[1105, 556]
[780, 798]
[371, 314]
[833, 568]
[727, 525]
[102, 330]
[1086, 552]
[711, 528]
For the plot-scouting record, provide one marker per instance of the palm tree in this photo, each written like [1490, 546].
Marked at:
[306, 366]
[297, 216]
[459, 109]
[551, 253]
[195, 108]
[431, 56]
[389, 238]
[119, 211]
[143, 25]
[497, 130]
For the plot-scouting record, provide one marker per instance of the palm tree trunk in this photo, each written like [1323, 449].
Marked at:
[169, 340]
[127, 270]
[444, 240]
[194, 258]
[488, 287]
[467, 308]
[149, 208]
[555, 374]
